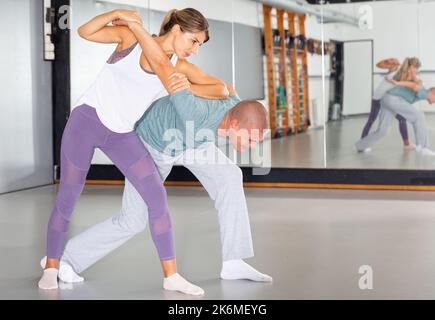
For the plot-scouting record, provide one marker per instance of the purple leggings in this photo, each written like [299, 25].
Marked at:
[83, 133]
[374, 111]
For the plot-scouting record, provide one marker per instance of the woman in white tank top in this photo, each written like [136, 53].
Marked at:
[105, 116]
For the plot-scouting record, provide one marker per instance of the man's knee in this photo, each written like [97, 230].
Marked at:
[130, 224]
[420, 115]
[382, 131]
[233, 176]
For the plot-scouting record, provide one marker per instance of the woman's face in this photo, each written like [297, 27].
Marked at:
[188, 43]
[412, 72]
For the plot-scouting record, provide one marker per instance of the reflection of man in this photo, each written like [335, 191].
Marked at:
[392, 65]
[220, 177]
[400, 100]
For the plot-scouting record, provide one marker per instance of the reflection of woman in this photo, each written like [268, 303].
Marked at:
[407, 72]
[400, 100]
[105, 116]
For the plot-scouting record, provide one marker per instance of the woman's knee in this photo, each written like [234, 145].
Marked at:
[370, 122]
[401, 120]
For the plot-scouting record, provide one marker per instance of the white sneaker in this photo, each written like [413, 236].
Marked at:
[366, 150]
[409, 147]
[66, 272]
[425, 151]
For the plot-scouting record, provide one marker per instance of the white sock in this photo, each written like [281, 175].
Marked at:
[362, 151]
[239, 269]
[66, 272]
[409, 147]
[425, 151]
[176, 282]
[49, 279]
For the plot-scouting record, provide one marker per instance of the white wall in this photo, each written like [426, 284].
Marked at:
[357, 86]
[318, 70]
[246, 12]
[25, 88]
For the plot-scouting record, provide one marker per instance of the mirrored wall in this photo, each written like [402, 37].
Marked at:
[383, 55]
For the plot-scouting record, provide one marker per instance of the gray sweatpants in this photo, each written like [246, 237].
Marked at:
[390, 107]
[220, 177]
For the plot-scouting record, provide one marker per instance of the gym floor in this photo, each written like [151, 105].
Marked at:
[307, 150]
[388, 153]
[312, 242]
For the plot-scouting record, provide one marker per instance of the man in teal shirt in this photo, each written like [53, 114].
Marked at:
[400, 100]
[173, 123]
[182, 129]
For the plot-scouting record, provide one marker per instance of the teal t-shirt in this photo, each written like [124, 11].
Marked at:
[182, 121]
[408, 94]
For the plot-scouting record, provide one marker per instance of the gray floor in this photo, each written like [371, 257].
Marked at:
[311, 241]
[387, 154]
[307, 150]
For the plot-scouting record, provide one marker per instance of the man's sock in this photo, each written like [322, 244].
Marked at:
[424, 151]
[366, 150]
[49, 279]
[176, 282]
[66, 272]
[239, 269]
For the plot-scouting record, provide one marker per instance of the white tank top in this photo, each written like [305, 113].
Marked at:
[123, 91]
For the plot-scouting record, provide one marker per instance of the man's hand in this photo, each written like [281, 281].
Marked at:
[178, 82]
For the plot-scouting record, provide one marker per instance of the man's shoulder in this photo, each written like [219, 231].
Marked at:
[165, 99]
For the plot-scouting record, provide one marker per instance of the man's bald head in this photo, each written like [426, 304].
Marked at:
[250, 114]
[245, 124]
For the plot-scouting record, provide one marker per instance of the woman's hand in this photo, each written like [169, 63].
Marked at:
[127, 16]
[178, 82]
[119, 22]
[391, 80]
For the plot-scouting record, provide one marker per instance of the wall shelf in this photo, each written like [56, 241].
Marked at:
[287, 74]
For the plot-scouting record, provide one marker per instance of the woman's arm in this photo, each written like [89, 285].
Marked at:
[414, 86]
[158, 60]
[98, 30]
[390, 64]
[202, 84]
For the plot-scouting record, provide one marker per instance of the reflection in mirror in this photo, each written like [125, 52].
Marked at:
[293, 85]
[379, 97]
